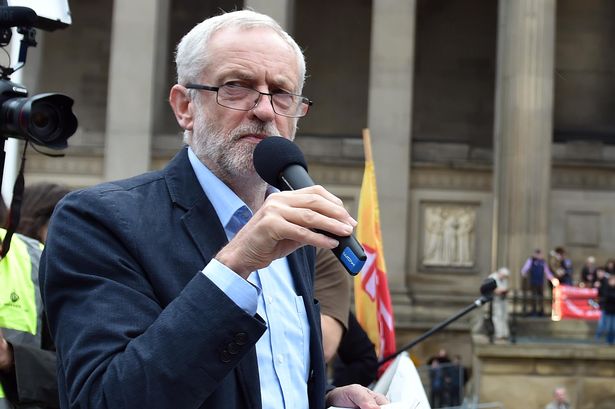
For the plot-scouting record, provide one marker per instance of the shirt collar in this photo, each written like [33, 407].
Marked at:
[225, 202]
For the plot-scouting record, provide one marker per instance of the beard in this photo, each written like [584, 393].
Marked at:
[223, 151]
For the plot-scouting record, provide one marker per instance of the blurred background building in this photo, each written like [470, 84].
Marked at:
[492, 124]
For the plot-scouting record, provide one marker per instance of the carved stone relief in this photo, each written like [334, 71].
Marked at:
[448, 235]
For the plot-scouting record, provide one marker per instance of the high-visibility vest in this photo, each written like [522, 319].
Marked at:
[20, 299]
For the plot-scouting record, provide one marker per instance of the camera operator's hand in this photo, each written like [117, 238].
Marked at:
[285, 222]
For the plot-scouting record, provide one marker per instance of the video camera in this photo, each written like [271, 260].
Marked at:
[44, 119]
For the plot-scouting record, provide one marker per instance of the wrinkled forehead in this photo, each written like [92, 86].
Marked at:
[251, 50]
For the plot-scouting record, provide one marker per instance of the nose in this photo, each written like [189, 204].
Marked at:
[264, 108]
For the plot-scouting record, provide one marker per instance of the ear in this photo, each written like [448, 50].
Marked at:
[182, 106]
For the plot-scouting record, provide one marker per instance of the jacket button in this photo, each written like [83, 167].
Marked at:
[241, 338]
[232, 348]
[225, 356]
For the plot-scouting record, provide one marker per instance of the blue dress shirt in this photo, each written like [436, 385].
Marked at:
[283, 352]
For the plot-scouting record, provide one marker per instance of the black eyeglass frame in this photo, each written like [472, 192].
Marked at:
[201, 87]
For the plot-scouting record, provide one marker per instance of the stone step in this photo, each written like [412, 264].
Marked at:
[428, 314]
[546, 328]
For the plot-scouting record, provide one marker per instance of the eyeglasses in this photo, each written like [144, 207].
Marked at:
[245, 99]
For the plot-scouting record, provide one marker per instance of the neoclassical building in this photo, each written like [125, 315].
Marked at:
[492, 125]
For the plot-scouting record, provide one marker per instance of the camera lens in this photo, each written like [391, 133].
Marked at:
[45, 119]
[40, 119]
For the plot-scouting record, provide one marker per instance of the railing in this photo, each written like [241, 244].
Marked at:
[521, 303]
[444, 384]
[452, 393]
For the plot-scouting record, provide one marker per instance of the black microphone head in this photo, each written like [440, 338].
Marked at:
[274, 154]
[488, 286]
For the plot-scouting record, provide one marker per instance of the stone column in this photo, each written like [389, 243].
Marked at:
[281, 11]
[390, 124]
[139, 35]
[523, 130]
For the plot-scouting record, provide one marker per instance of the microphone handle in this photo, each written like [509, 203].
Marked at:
[349, 251]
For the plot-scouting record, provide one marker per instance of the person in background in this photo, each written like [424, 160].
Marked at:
[560, 400]
[609, 267]
[535, 269]
[458, 375]
[346, 346]
[332, 290]
[561, 265]
[607, 304]
[601, 283]
[439, 379]
[499, 303]
[588, 273]
[356, 360]
[39, 200]
[28, 376]
[192, 286]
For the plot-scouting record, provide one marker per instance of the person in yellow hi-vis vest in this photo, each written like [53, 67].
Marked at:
[27, 372]
[27, 359]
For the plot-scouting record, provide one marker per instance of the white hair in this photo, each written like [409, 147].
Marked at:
[504, 271]
[192, 57]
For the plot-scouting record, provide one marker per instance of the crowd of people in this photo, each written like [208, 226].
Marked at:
[538, 272]
[591, 274]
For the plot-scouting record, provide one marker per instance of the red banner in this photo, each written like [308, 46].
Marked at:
[575, 303]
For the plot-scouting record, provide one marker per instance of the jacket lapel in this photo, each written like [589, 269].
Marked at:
[200, 219]
[207, 233]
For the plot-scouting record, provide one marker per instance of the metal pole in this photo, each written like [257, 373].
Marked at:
[13, 146]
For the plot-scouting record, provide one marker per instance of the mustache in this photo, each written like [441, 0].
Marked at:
[268, 129]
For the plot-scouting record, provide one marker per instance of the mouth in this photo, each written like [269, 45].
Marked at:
[253, 138]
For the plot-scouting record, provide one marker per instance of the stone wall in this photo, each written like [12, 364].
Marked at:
[524, 375]
[455, 71]
[585, 70]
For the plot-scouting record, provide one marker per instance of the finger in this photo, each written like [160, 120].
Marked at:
[362, 397]
[287, 230]
[314, 202]
[380, 398]
[318, 189]
[318, 222]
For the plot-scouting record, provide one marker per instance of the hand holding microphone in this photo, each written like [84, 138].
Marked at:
[281, 163]
[307, 215]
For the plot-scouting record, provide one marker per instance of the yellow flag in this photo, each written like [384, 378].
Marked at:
[371, 289]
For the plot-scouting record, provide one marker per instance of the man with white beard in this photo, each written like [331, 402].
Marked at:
[192, 287]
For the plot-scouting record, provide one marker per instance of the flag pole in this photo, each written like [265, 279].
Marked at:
[367, 145]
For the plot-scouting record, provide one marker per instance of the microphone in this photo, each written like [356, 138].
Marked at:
[488, 287]
[281, 163]
[486, 290]
[17, 16]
